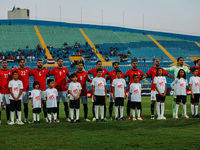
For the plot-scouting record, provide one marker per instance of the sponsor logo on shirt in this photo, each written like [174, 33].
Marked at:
[120, 86]
[182, 85]
[15, 89]
[37, 98]
[75, 91]
[52, 97]
[161, 83]
[100, 85]
[197, 84]
[136, 91]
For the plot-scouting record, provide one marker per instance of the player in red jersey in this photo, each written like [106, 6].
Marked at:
[40, 75]
[152, 73]
[130, 73]
[23, 73]
[94, 73]
[60, 74]
[198, 67]
[5, 77]
[82, 78]
[111, 76]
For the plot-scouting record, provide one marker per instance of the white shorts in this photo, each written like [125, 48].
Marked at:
[62, 96]
[25, 98]
[44, 95]
[111, 99]
[153, 95]
[0, 101]
[129, 96]
[84, 99]
[5, 98]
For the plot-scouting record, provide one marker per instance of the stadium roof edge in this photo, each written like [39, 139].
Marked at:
[114, 28]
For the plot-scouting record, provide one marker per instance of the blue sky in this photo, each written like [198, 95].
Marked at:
[175, 16]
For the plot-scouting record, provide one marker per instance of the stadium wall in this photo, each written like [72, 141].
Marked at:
[114, 28]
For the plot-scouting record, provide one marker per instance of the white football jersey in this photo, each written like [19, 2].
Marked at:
[179, 85]
[36, 95]
[51, 95]
[160, 81]
[16, 87]
[119, 85]
[195, 81]
[74, 88]
[135, 90]
[99, 84]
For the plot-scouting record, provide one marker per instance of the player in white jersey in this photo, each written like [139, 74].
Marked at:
[119, 94]
[135, 91]
[180, 87]
[51, 97]
[15, 87]
[36, 101]
[195, 92]
[75, 91]
[99, 93]
[161, 89]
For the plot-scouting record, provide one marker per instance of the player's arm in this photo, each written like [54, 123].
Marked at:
[192, 94]
[11, 93]
[170, 76]
[113, 89]
[124, 92]
[105, 93]
[93, 88]
[108, 77]
[88, 78]
[144, 76]
[70, 92]
[173, 84]
[79, 93]
[20, 93]
[169, 69]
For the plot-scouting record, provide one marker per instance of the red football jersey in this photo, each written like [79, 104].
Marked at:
[60, 78]
[24, 77]
[198, 70]
[5, 77]
[82, 78]
[94, 72]
[40, 76]
[130, 73]
[111, 76]
[152, 72]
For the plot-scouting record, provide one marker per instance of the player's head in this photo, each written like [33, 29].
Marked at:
[36, 85]
[80, 66]
[198, 62]
[159, 72]
[195, 71]
[21, 63]
[15, 75]
[115, 65]
[4, 64]
[119, 74]
[181, 74]
[135, 78]
[50, 83]
[99, 64]
[99, 72]
[134, 64]
[157, 62]
[60, 62]
[180, 61]
[74, 77]
[39, 64]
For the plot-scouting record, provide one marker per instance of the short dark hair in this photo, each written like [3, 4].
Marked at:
[39, 60]
[179, 58]
[98, 70]
[135, 75]
[197, 60]
[35, 83]
[14, 72]
[80, 62]
[59, 59]
[73, 75]
[21, 60]
[193, 69]
[133, 61]
[118, 71]
[98, 62]
[4, 60]
[49, 81]
[116, 62]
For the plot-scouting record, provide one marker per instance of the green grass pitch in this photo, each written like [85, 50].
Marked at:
[147, 134]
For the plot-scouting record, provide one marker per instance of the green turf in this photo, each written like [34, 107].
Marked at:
[146, 134]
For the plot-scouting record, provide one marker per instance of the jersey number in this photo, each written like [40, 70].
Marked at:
[23, 73]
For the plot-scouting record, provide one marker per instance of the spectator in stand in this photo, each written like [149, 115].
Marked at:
[27, 46]
[86, 44]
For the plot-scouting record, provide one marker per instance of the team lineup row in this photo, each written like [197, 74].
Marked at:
[14, 88]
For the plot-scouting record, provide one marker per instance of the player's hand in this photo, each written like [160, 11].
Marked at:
[31, 105]
[105, 97]
[42, 105]
[164, 94]
[192, 96]
[15, 99]
[94, 98]
[125, 96]
[114, 97]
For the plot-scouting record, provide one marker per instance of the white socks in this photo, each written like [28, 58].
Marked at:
[55, 116]
[158, 108]
[192, 109]
[97, 111]
[184, 109]
[38, 117]
[138, 113]
[133, 112]
[102, 112]
[49, 116]
[34, 116]
[196, 109]
[77, 114]
[19, 115]
[12, 113]
[116, 111]
[72, 113]
[121, 111]
[177, 106]
[162, 109]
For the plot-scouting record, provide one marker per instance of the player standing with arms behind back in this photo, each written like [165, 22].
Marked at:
[60, 74]
[40, 75]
